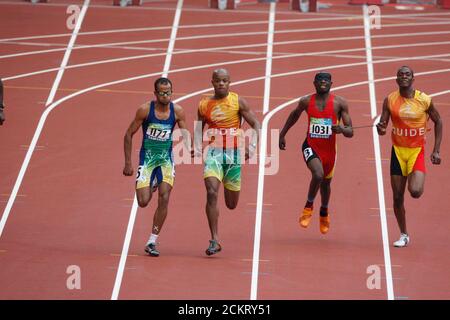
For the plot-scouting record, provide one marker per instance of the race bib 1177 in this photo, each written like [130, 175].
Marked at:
[158, 134]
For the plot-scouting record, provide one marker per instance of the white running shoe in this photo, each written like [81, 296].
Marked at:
[403, 241]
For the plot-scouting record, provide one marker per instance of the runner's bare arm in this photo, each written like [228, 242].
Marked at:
[436, 118]
[291, 120]
[198, 135]
[346, 129]
[180, 118]
[249, 116]
[141, 114]
[384, 119]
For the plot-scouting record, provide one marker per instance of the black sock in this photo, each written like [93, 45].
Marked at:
[309, 204]
[323, 212]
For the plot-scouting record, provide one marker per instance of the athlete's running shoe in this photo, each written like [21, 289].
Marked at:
[305, 218]
[403, 241]
[151, 250]
[324, 224]
[214, 247]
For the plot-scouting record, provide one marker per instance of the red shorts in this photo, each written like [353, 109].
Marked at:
[328, 159]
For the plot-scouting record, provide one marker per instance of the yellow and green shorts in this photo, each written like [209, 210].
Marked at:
[154, 168]
[406, 160]
[225, 165]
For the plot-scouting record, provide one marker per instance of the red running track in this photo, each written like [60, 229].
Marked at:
[73, 205]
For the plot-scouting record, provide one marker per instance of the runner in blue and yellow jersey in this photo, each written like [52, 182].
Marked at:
[156, 167]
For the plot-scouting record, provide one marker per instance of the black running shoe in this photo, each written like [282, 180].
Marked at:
[151, 250]
[214, 247]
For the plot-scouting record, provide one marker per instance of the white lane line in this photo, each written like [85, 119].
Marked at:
[284, 56]
[348, 56]
[269, 55]
[225, 24]
[379, 171]
[383, 216]
[148, 75]
[262, 44]
[369, 59]
[134, 208]
[173, 36]
[193, 26]
[263, 140]
[239, 34]
[67, 53]
[40, 126]
[126, 246]
[439, 93]
[259, 208]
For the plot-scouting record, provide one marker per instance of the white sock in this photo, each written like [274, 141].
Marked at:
[152, 238]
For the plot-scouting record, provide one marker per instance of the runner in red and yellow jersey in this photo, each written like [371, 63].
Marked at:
[223, 113]
[324, 111]
[409, 110]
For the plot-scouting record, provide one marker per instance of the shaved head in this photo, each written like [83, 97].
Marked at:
[221, 83]
[221, 72]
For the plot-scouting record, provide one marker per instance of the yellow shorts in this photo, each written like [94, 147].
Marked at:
[406, 160]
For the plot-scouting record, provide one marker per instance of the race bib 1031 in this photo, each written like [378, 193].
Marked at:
[320, 127]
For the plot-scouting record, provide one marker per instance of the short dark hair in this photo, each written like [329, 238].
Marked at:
[412, 72]
[162, 80]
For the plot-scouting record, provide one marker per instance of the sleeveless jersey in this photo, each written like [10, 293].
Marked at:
[409, 118]
[223, 119]
[319, 134]
[157, 134]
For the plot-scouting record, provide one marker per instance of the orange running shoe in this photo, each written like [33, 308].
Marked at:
[305, 218]
[324, 224]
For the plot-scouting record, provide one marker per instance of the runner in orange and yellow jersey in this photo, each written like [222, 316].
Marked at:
[409, 110]
[223, 113]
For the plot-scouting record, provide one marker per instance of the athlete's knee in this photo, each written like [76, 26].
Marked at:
[416, 193]
[143, 202]
[211, 194]
[231, 204]
[317, 176]
[163, 198]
